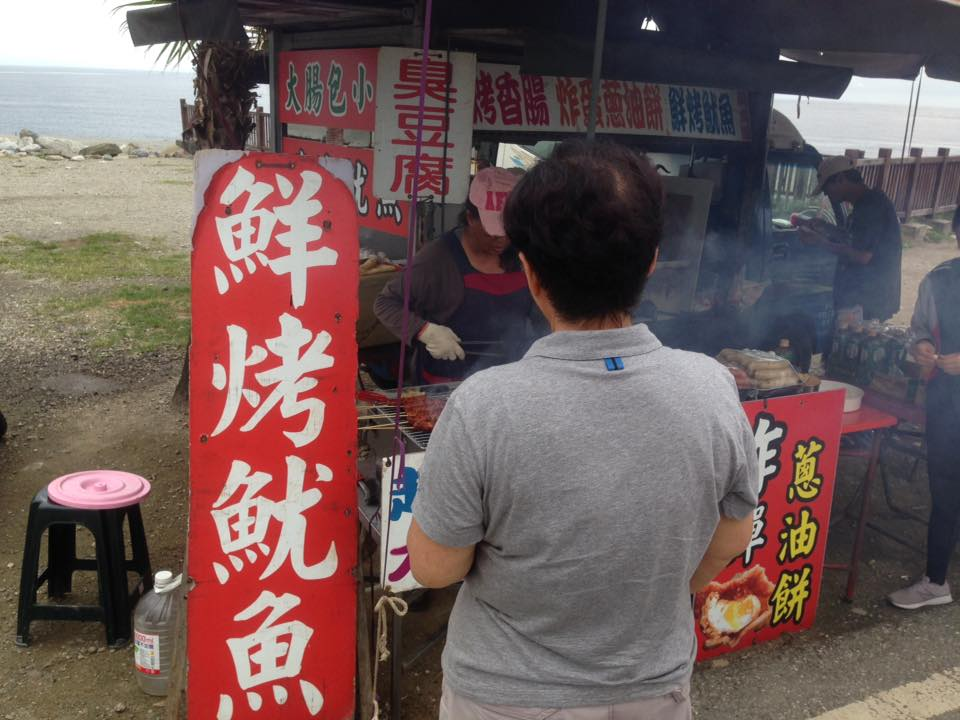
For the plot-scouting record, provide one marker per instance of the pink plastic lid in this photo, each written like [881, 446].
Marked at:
[98, 489]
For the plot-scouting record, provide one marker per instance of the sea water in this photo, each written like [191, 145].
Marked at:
[125, 105]
[79, 103]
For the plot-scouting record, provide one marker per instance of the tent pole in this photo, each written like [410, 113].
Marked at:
[903, 148]
[916, 105]
[597, 62]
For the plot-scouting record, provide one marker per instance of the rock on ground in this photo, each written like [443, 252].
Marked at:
[101, 149]
[58, 146]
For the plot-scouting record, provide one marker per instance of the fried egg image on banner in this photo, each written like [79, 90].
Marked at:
[728, 611]
[731, 616]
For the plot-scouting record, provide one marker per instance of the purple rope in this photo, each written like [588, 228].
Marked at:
[398, 443]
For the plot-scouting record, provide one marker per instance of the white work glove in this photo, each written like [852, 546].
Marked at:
[441, 342]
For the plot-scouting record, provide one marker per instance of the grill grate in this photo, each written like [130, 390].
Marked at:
[420, 438]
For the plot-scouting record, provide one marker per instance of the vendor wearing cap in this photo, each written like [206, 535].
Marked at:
[868, 247]
[469, 302]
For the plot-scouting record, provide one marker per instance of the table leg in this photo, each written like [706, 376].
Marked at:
[878, 436]
[396, 666]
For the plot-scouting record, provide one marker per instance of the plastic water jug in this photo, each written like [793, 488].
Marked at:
[154, 630]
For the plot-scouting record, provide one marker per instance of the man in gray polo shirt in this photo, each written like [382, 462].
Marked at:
[585, 491]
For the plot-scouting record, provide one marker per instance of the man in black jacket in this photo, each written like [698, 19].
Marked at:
[868, 247]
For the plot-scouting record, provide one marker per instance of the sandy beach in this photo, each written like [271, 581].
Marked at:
[54, 201]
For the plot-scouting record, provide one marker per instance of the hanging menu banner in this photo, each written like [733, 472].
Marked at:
[447, 124]
[774, 587]
[507, 100]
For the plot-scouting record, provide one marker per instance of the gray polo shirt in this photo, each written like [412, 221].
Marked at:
[591, 495]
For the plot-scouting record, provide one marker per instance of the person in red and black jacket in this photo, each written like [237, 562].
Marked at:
[936, 329]
[470, 307]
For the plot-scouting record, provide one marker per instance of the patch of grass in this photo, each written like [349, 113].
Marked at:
[92, 257]
[140, 318]
[123, 294]
[936, 237]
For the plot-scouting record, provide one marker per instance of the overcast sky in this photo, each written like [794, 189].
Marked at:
[84, 33]
[70, 33]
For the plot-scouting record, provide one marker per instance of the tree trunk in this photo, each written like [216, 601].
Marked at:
[225, 94]
[181, 394]
[225, 98]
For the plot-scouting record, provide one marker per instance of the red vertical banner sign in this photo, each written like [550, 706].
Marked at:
[272, 546]
[774, 587]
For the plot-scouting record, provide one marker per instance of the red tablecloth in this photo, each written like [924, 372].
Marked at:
[865, 419]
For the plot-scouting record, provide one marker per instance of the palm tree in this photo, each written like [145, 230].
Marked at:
[225, 92]
[225, 87]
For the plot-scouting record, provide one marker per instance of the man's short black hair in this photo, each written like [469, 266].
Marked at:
[589, 220]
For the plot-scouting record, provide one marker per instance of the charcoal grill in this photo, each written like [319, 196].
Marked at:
[389, 411]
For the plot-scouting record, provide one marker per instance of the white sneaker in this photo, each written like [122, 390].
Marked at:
[921, 594]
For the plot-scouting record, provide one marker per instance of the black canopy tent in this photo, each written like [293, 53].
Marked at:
[796, 47]
[875, 38]
[801, 47]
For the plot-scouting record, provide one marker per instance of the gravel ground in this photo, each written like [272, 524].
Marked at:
[71, 406]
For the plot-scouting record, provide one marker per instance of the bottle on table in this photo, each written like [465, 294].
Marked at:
[154, 630]
[836, 361]
[786, 352]
[851, 350]
[872, 355]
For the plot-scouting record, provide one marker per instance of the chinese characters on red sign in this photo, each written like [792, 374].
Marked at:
[330, 88]
[272, 548]
[507, 100]
[774, 587]
[448, 81]
[373, 212]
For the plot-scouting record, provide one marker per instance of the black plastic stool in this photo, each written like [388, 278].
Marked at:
[116, 601]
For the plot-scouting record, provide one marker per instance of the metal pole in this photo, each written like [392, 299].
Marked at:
[903, 151]
[916, 105]
[597, 62]
[275, 139]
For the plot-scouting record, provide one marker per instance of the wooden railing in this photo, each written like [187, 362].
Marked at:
[918, 186]
[260, 138]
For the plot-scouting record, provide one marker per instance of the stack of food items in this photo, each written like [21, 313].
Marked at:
[759, 370]
[422, 410]
[376, 264]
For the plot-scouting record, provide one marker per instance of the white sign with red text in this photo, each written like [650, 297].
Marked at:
[447, 124]
[398, 489]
